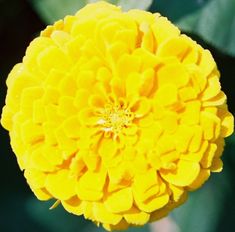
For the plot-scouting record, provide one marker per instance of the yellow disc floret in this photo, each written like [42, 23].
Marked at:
[117, 115]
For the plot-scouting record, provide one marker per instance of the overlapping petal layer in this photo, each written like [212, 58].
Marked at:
[117, 115]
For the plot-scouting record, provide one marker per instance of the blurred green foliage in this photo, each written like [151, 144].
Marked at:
[213, 21]
[52, 10]
[210, 22]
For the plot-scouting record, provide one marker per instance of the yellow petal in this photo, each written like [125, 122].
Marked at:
[130, 62]
[154, 160]
[38, 161]
[212, 89]
[163, 29]
[142, 107]
[187, 93]
[39, 115]
[41, 194]
[227, 124]
[209, 155]
[27, 97]
[108, 148]
[73, 205]
[217, 100]
[94, 180]
[84, 27]
[131, 130]
[196, 156]
[121, 173]
[71, 127]
[31, 132]
[129, 153]
[177, 192]
[210, 124]
[169, 157]
[143, 182]
[88, 210]
[149, 59]
[140, 163]
[60, 38]
[52, 154]
[116, 50]
[183, 136]
[147, 121]
[122, 225]
[136, 217]
[81, 98]
[191, 114]
[6, 118]
[127, 35]
[91, 160]
[178, 177]
[67, 145]
[173, 74]
[133, 84]
[170, 122]
[104, 75]
[196, 141]
[66, 106]
[163, 144]
[49, 129]
[147, 194]
[200, 180]
[67, 86]
[87, 117]
[153, 203]
[96, 101]
[60, 184]
[118, 86]
[35, 178]
[52, 114]
[52, 57]
[142, 16]
[178, 46]
[77, 165]
[53, 78]
[103, 215]
[166, 95]
[90, 186]
[217, 165]
[207, 63]
[88, 195]
[119, 201]
[85, 79]
[147, 82]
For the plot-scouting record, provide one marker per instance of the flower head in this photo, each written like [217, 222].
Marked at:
[116, 115]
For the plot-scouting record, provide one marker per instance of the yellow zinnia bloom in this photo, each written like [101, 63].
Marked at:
[117, 115]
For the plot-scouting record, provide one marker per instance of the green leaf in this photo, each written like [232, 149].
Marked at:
[204, 207]
[134, 4]
[175, 9]
[213, 21]
[58, 220]
[52, 10]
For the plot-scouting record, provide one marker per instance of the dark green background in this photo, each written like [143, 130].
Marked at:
[210, 209]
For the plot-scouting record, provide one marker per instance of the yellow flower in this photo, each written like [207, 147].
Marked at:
[116, 115]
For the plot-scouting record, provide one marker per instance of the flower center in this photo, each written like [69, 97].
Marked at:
[114, 118]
